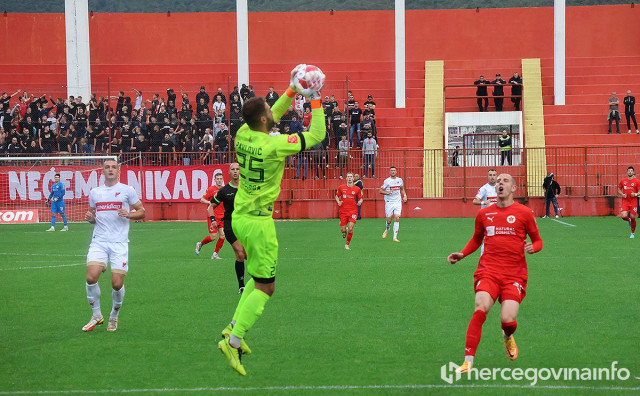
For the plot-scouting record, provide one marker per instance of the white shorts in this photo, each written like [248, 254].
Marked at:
[116, 253]
[391, 209]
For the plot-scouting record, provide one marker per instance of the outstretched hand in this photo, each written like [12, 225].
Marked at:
[455, 257]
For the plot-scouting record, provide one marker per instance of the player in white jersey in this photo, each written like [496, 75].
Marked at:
[394, 196]
[110, 210]
[487, 194]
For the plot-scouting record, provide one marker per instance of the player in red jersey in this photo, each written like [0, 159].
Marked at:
[348, 197]
[628, 189]
[215, 230]
[502, 268]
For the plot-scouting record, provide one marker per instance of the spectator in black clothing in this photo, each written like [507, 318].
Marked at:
[221, 95]
[482, 93]
[551, 190]
[166, 148]
[272, 97]
[141, 145]
[120, 103]
[235, 107]
[516, 90]
[252, 93]
[14, 147]
[221, 142]
[498, 92]
[354, 114]
[341, 130]
[201, 106]
[33, 148]
[327, 106]
[205, 155]
[64, 142]
[115, 146]
[455, 156]
[203, 95]
[204, 121]
[126, 136]
[82, 121]
[244, 92]
[171, 96]
[47, 140]
[629, 111]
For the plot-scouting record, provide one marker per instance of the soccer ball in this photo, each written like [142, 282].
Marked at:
[308, 79]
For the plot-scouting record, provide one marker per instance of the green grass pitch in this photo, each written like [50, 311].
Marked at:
[379, 319]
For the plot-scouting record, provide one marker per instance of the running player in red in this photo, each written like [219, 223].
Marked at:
[215, 222]
[348, 197]
[628, 189]
[502, 269]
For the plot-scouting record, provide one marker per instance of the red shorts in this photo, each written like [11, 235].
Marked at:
[630, 207]
[501, 288]
[219, 223]
[348, 217]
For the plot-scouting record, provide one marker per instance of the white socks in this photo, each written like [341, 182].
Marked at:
[469, 358]
[117, 296]
[396, 225]
[93, 296]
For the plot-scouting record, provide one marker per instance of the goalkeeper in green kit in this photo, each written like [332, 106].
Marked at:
[262, 159]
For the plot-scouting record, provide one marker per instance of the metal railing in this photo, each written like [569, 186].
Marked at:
[581, 171]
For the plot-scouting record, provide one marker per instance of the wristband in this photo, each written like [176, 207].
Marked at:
[316, 104]
[212, 218]
[290, 93]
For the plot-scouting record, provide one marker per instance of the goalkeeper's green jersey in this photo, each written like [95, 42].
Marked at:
[262, 157]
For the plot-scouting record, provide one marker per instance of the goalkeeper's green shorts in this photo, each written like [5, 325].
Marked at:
[258, 236]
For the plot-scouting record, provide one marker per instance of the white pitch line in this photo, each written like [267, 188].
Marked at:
[41, 254]
[41, 267]
[327, 388]
[562, 222]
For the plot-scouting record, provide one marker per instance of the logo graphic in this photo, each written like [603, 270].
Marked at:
[100, 206]
[18, 216]
[448, 373]
[491, 231]
[511, 219]
[490, 218]
[519, 287]
[118, 193]
[292, 139]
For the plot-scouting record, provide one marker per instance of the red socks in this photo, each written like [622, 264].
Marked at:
[219, 244]
[625, 218]
[206, 240]
[633, 225]
[509, 328]
[474, 332]
[349, 235]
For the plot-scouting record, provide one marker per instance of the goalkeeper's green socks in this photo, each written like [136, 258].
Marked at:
[248, 313]
[248, 288]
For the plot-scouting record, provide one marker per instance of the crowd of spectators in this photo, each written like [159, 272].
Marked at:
[181, 130]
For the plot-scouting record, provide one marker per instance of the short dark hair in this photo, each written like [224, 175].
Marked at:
[392, 167]
[252, 110]
[57, 174]
[492, 170]
[631, 167]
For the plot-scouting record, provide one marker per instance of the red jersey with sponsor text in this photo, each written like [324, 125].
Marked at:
[629, 186]
[211, 192]
[349, 197]
[505, 231]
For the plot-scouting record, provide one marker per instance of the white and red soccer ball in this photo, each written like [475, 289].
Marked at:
[308, 79]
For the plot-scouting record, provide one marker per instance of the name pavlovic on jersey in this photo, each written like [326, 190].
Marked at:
[110, 227]
[394, 185]
[487, 193]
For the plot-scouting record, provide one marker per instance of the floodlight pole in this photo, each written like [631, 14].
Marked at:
[400, 53]
[242, 29]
